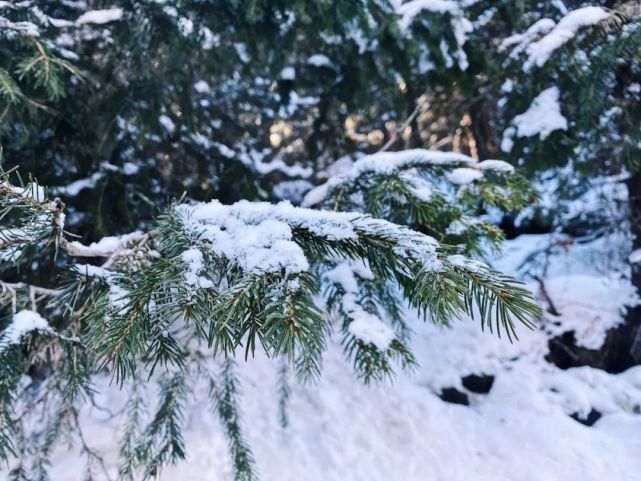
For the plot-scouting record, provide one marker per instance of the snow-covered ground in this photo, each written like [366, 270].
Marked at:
[521, 430]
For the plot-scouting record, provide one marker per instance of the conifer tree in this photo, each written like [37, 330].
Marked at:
[157, 256]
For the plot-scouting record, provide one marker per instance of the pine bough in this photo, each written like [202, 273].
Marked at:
[212, 283]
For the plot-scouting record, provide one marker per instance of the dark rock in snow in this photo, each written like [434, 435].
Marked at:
[478, 383]
[620, 351]
[454, 396]
[589, 420]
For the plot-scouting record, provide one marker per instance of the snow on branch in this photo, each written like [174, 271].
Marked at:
[261, 237]
[23, 323]
[551, 36]
[464, 169]
[542, 118]
[105, 247]
[100, 17]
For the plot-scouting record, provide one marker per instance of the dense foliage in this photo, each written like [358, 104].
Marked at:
[149, 247]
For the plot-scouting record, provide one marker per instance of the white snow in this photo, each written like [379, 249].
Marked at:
[100, 17]
[320, 60]
[420, 187]
[292, 190]
[507, 142]
[255, 160]
[104, 247]
[590, 305]
[635, 257]
[371, 330]
[466, 263]
[522, 40]
[340, 429]
[202, 87]
[60, 23]
[194, 259]
[27, 28]
[539, 52]
[456, 227]
[411, 9]
[364, 325]
[460, 25]
[31, 190]
[542, 117]
[464, 175]
[496, 165]
[288, 73]
[23, 323]
[79, 185]
[167, 124]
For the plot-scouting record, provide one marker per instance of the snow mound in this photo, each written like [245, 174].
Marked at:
[100, 17]
[342, 429]
[542, 117]
[539, 52]
[23, 323]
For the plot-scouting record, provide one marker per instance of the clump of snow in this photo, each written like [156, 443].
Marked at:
[420, 187]
[256, 237]
[288, 73]
[539, 52]
[456, 227]
[464, 175]
[59, 22]
[522, 40]
[79, 185]
[100, 17]
[496, 165]
[193, 258]
[167, 124]
[320, 60]
[23, 323]
[507, 142]
[202, 87]
[470, 265]
[118, 296]
[371, 330]
[542, 117]
[635, 257]
[364, 325]
[26, 28]
[130, 168]
[411, 9]
[292, 190]
[89, 270]
[464, 170]
[589, 305]
[255, 160]
[104, 247]
[461, 26]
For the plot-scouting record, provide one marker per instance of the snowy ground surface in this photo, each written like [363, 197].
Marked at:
[520, 431]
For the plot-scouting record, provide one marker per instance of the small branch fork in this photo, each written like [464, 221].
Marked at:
[36, 293]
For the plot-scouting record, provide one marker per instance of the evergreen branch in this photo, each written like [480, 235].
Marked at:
[225, 404]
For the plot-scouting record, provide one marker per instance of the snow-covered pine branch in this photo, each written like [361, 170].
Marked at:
[449, 194]
[222, 280]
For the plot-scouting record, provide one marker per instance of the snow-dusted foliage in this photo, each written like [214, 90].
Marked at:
[254, 207]
[215, 280]
[442, 190]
